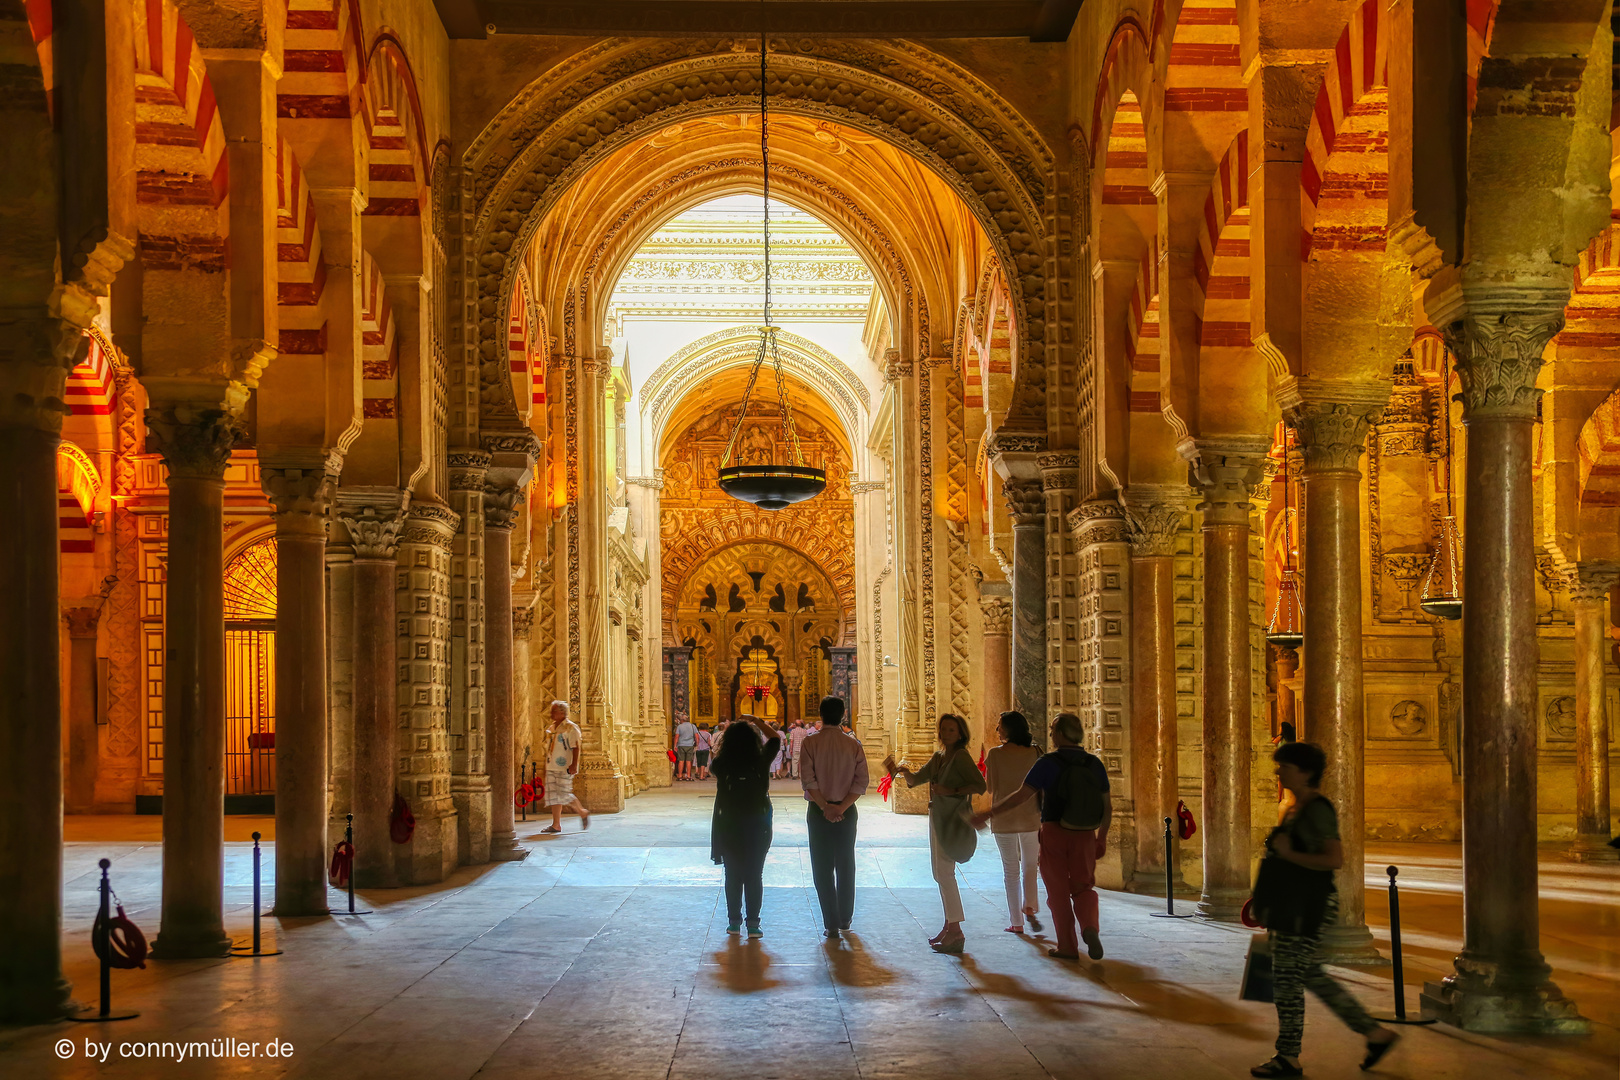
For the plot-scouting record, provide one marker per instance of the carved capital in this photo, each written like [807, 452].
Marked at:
[1224, 469]
[1331, 417]
[501, 505]
[1155, 518]
[522, 623]
[195, 440]
[467, 468]
[997, 612]
[433, 524]
[894, 368]
[1591, 582]
[302, 498]
[1059, 472]
[39, 345]
[374, 520]
[1099, 521]
[861, 487]
[1498, 346]
[82, 621]
[1026, 502]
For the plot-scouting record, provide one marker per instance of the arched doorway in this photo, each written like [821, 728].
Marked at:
[250, 682]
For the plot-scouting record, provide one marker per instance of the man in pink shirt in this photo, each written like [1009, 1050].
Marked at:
[832, 768]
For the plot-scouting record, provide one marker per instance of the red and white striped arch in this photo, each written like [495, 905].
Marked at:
[526, 349]
[41, 26]
[1205, 69]
[78, 485]
[1592, 332]
[324, 65]
[1142, 348]
[1221, 265]
[397, 168]
[1481, 18]
[379, 356]
[1344, 178]
[300, 269]
[90, 388]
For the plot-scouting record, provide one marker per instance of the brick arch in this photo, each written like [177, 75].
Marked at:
[685, 570]
[1350, 117]
[1127, 68]
[1204, 70]
[300, 267]
[397, 165]
[324, 64]
[1592, 332]
[379, 365]
[527, 350]
[607, 95]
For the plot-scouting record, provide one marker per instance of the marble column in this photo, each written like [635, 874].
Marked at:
[302, 497]
[840, 673]
[340, 681]
[32, 988]
[500, 514]
[1331, 418]
[374, 518]
[84, 741]
[678, 662]
[995, 611]
[1224, 470]
[600, 784]
[526, 750]
[1589, 595]
[792, 686]
[1501, 982]
[1155, 519]
[195, 442]
[1027, 504]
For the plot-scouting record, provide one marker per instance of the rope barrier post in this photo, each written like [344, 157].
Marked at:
[1169, 911]
[523, 778]
[256, 952]
[1395, 949]
[103, 942]
[348, 838]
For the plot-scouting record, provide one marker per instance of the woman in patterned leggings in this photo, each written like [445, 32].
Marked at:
[1309, 837]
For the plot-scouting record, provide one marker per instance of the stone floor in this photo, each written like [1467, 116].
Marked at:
[605, 955]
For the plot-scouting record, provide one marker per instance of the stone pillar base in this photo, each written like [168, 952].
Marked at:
[1151, 883]
[1222, 905]
[601, 792]
[1541, 1010]
[506, 849]
[1592, 849]
[1350, 946]
[472, 825]
[182, 945]
[433, 851]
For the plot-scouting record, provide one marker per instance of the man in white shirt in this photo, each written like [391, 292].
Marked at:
[832, 768]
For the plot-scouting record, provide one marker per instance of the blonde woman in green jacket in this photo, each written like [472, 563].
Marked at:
[952, 780]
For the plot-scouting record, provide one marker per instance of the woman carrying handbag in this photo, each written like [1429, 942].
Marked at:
[953, 779]
[1294, 897]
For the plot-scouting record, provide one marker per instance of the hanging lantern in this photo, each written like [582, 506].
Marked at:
[1441, 594]
[769, 486]
[1286, 628]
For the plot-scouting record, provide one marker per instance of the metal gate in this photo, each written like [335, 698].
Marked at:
[250, 671]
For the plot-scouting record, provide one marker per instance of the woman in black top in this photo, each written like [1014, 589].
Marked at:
[1294, 898]
[741, 834]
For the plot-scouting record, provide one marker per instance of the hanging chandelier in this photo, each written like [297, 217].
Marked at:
[1441, 594]
[1286, 630]
[767, 485]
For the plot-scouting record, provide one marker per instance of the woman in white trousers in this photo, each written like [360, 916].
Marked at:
[1017, 831]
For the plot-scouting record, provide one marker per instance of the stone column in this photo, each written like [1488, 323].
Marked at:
[195, 442]
[791, 687]
[1155, 518]
[840, 672]
[1331, 418]
[340, 681]
[599, 785]
[500, 514]
[995, 610]
[522, 683]
[32, 988]
[1589, 595]
[1026, 503]
[302, 497]
[84, 742]
[677, 661]
[1224, 470]
[1501, 982]
[374, 518]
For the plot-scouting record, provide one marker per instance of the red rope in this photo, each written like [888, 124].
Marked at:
[124, 938]
[342, 863]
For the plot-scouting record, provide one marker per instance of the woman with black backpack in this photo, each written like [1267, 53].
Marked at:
[1294, 897]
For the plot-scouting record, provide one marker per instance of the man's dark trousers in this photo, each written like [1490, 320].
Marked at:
[832, 865]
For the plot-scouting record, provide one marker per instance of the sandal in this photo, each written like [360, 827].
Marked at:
[1058, 954]
[1034, 920]
[585, 821]
[951, 945]
[1277, 1066]
[1377, 1050]
[551, 830]
[1015, 929]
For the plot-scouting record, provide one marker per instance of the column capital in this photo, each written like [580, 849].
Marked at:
[1026, 502]
[1498, 338]
[1224, 469]
[302, 498]
[895, 369]
[194, 439]
[502, 504]
[997, 613]
[467, 466]
[374, 518]
[1332, 417]
[1059, 472]
[431, 523]
[1591, 582]
[43, 343]
[1154, 512]
[522, 623]
[82, 621]
[1099, 521]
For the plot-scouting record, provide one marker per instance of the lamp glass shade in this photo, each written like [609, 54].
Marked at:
[1286, 630]
[1441, 594]
[772, 487]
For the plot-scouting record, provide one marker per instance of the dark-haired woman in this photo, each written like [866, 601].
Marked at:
[740, 836]
[1017, 831]
[953, 779]
[1294, 898]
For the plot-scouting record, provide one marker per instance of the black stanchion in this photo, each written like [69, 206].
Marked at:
[523, 778]
[1169, 911]
[1400, 1016]
[348, 838]
[256, 951]
[103, 933]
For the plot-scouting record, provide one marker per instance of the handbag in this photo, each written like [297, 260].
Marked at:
[1289, 898]
[956, 835]
[1257, 982]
